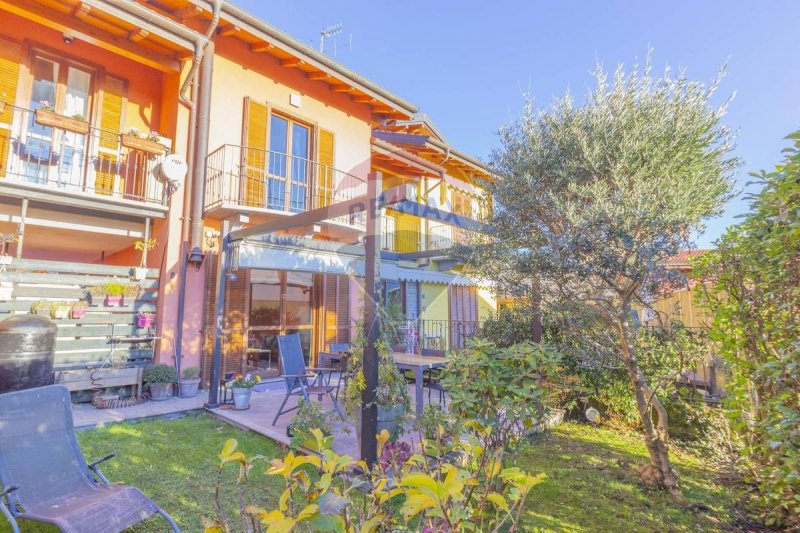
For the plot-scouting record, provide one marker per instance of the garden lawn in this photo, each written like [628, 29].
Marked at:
[174, 462]
[592, 485]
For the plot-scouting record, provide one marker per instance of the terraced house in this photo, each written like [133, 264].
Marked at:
[172, 123]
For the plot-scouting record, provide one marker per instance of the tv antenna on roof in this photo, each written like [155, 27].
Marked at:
[330, 32]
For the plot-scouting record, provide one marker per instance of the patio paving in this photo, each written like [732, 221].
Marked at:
[85, 415]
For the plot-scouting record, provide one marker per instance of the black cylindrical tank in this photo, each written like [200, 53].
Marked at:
[27, 344]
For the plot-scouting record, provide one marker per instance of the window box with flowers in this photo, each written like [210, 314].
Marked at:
[47, 116]
[149, 143]
[242, 388]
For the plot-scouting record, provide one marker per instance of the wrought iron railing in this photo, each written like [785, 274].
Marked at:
[94, 163]
[414, 335]
[239, 176]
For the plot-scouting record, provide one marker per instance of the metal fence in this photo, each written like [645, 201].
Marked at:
[92, 163]
[417, 334]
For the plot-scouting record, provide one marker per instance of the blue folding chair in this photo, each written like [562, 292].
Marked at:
[299, 380]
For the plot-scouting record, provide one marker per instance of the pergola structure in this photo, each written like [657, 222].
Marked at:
[401, 199]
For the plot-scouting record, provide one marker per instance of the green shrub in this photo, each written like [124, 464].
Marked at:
[191, 372]
[501, 388]
[160, 374]
[310, 416]
[508, 327]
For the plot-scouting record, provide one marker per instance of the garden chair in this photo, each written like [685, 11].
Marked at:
[45, 476]
[336, 359]
[433, 378]
[299, 380]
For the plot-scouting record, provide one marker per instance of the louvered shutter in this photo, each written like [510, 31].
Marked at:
[10, 54]
[111, 108]
[463, 314]
[325, 183]
[255, 155]
[336, 302]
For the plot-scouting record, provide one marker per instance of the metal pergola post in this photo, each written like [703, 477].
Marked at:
[372, 271]
[222, 276]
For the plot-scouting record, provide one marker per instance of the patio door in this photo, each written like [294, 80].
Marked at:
[281, 303]
[289, 166]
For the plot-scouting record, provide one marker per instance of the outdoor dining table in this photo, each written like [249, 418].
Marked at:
[418, 364]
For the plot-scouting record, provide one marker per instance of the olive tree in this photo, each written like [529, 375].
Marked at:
[591, 198]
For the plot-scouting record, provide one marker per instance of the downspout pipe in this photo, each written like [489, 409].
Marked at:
[191, 81]
[201, 149]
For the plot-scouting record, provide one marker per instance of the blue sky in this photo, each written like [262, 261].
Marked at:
[467, 63]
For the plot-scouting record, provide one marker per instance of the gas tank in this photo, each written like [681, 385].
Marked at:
[27, 346]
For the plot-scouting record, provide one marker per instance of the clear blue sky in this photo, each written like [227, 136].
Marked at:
[466, 63]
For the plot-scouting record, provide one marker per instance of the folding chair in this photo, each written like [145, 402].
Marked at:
[298, 379]
[45, 476]
[336, 359]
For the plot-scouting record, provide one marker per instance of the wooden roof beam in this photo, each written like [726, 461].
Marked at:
[228, 30]
[261, 47]
[363, 99]
[138, 35]
[317, 75]
[292, 62]
[340, 88]
[187, 12]
[81, 11]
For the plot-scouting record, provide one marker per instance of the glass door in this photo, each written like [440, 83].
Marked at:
[280, 304]
[289, 145]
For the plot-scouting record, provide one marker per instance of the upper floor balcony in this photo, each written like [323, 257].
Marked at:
[67, 160]
[265, 183]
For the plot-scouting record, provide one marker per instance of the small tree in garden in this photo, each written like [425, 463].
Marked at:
[753, 289]
[592, 198]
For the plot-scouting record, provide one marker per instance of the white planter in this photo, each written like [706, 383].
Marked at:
[139, 273]
[6, 291]
[241, 397]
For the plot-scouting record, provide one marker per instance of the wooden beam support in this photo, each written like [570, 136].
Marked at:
[227, 30]
[317, 75]
[340, 88]
[81, 11]
[138, 35]
[261, 47]
[292, 62]
[363, 99]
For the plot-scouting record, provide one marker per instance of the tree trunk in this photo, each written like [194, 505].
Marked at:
[659, 472]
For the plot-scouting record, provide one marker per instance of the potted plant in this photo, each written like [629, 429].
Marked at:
[60, 310]
[113, 293]
[190, 382]
[149, 143]
[160, 378]
[242, 387]
[79, 308]
[132, 291]
[146, 245]
[41, 307]
[95, 294]
[392, 395]
[47, 116]
[145, 320]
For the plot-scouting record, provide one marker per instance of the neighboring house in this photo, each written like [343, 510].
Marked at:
[677, 304]
[270, 128]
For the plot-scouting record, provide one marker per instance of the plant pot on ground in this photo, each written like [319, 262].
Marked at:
[190, 382]
[242, 388]
[160, 378]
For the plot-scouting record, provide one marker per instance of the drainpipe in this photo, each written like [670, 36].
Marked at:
[192, 79]
[21, 229]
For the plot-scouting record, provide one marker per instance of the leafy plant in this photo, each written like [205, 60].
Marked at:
[508, 327]
[133, 132]
[46, 106]
[592, 198]
[80, 305]
[41, 307]
[191, 372]
[160, 373]
[246, 381]
[154, 137]
[131, 290]
[501, 388]
[60, 309]
[79, 116]
[310, 416]
[330, 492]
[115, 288]
[752, 281]
[145, 245]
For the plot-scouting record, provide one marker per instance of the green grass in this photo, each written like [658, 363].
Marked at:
[592, 485]
[174, 462]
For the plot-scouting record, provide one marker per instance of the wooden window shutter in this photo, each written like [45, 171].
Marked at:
[326, 183]
[336, 302]
[463, 313]
[254, 138]
[406, 233]
[10, 55]
[111, 109]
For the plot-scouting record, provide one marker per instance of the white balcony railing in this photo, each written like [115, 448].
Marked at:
[94, 163]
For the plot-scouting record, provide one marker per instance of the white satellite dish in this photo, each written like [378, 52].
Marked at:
[174, 169]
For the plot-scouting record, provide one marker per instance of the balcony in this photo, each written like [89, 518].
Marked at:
[44, 160]
[254, 180]
[413, 335]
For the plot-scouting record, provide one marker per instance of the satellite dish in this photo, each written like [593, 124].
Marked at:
[174, 169]
[592, 414]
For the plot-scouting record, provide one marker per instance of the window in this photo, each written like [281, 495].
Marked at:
[289, 145]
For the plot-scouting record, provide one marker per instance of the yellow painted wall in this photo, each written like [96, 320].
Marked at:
[487, 304]
[239, 74]
[679, 306]
[434, 303]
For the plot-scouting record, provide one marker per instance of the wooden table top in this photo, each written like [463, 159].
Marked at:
[411, 359]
